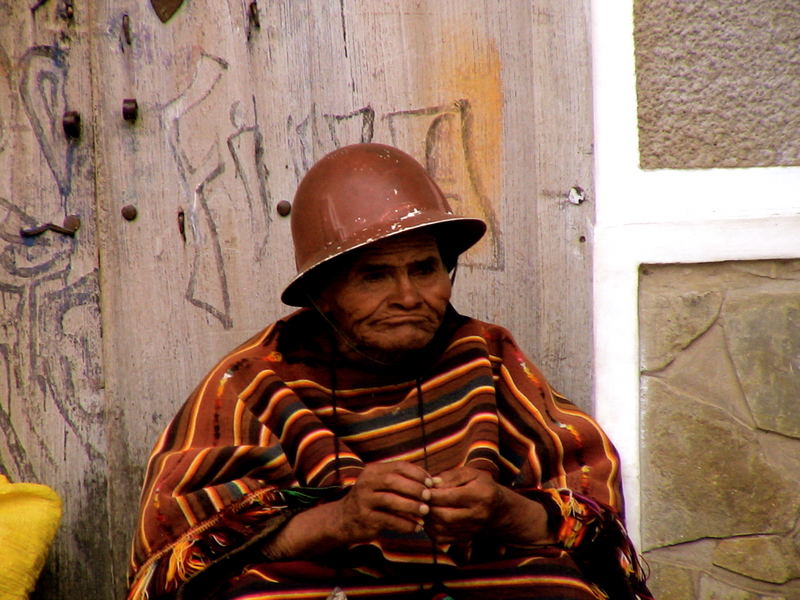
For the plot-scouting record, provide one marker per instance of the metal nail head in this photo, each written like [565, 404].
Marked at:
[72, 124]
[129, 212]
[130, 110]
[284, 208]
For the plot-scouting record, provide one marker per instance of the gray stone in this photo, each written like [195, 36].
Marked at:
[671, 582]
[714, 589]
[763, 333]
[772, 269]
[705, 370]
[772, 559]
[704, 474]
[668, 324]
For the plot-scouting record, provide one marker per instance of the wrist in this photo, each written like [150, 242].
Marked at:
[310, 533]
[522, 521]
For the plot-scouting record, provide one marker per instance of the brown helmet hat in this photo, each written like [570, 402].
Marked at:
[363, 193]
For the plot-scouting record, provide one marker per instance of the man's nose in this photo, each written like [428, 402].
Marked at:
[405, 292]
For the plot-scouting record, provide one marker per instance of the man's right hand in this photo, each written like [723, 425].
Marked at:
[386, 497]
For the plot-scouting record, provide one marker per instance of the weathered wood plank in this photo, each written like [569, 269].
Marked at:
[492, 96]
[52, 414]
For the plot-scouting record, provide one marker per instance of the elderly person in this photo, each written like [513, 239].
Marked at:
[376, 443]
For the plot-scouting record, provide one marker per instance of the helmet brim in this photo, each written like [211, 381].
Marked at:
[454, 235]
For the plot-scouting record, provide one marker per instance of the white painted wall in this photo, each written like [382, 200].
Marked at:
[660, 216]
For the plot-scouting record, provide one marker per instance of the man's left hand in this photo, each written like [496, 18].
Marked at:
[463, 502]
[466, 501]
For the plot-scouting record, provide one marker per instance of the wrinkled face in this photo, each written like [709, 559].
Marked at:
[392, 296]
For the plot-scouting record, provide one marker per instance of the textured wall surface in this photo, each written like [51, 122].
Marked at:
[718, 83]
[104, 333]
[720, 364]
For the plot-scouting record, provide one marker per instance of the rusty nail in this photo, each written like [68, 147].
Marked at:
[72, 124]
[130, 110]
[182, 224]
[129, 212]
[253, 15]
[284, 208]
[126, 28]
[32, 231]
[71, 224]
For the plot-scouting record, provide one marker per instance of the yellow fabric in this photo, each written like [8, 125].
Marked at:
[29, 518]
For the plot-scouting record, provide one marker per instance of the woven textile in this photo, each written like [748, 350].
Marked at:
[255, 443]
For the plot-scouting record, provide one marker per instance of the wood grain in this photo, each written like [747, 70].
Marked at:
[104, 335]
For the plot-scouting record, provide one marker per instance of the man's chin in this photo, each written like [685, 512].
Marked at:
[400, 346]
[403, 338]
[398, 343]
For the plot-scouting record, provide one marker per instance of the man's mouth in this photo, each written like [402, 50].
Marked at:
[398, 321]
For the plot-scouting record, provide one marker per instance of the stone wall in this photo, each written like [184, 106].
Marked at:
[720, 463]
[718, 82]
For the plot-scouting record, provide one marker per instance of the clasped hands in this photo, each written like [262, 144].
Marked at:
[454, 506]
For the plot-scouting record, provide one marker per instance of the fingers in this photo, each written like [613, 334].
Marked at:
[402, 497]
[462, 504]
[395, 487]
[386, 496]
[411, 509]
[397, 482]
[394, 476]
[447, 525]
[455, 477]
[464, 487]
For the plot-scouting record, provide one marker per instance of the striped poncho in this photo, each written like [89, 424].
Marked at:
[283, 422]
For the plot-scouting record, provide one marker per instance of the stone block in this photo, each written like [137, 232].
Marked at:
[763, 333]
[720, 450]
[714, 589]
[772, 559]
[705, 370]
[671, 582]
[668, 324]
[704, 474]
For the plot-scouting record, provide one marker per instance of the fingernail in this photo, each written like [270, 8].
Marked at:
[437, 481]
[426, 495]
[428, 482]
[419, 527]
[424, 509]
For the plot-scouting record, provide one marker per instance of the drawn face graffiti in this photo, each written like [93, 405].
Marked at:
[392, 296]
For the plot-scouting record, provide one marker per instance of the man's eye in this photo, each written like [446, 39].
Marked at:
[373, 276]
[425, 268]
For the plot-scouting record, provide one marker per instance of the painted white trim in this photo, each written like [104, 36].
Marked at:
[628, 194]
[619, 252]
[660, 216]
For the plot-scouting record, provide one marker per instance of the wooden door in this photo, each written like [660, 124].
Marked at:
[105, 334]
